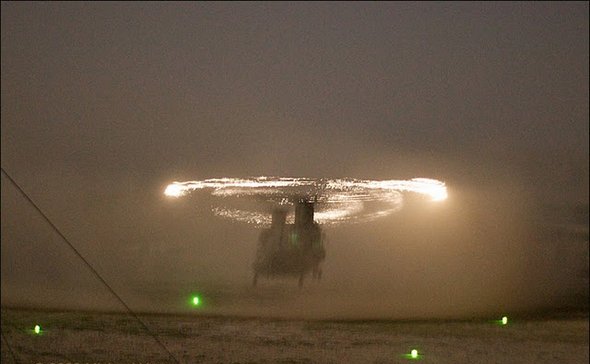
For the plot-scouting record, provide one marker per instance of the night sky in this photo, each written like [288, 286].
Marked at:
[103, 105]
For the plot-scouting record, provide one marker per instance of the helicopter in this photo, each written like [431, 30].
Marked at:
[297, 249]
[291, 250]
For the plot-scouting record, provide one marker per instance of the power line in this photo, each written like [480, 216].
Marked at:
[94, 271]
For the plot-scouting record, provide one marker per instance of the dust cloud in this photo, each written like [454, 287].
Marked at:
[480, 252]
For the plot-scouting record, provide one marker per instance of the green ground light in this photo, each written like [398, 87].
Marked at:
[413, 355]
[195, 300]
[37, 329]
[502, 322]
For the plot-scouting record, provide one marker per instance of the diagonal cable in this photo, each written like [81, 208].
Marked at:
[8, 346]
[90, 267]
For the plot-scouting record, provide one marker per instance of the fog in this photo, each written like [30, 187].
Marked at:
[104, 105]
[485, 250]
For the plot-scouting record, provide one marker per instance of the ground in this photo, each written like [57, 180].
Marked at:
[86, 337]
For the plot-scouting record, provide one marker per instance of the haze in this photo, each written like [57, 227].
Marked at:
[105, 104]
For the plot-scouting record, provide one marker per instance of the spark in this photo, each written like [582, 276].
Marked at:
[339, 200]
[37, 329]
[175, 190]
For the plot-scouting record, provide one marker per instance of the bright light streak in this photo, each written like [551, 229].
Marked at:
[175, 190]
[414, 353]
[339, 200]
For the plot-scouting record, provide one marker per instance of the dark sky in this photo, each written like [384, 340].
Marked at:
[104, 104]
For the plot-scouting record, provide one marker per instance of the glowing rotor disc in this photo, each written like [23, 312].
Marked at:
[337, 200]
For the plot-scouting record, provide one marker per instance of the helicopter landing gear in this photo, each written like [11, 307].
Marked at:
[317, 273]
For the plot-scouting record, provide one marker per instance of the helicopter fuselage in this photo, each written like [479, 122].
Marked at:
[290, 249]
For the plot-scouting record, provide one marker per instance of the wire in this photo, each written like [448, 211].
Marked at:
[8, 345]
[90, 267]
